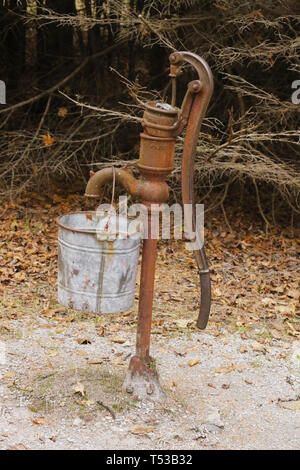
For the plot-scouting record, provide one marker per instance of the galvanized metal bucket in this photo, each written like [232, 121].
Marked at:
[95, 275]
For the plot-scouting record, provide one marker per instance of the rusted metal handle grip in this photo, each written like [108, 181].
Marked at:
[200, 97]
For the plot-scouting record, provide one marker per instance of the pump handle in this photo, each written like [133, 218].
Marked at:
[193, 111]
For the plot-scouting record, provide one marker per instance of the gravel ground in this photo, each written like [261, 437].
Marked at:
[233, 397]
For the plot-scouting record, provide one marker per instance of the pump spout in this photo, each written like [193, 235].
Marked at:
[101, 177]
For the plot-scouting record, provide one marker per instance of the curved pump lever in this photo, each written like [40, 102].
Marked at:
[192, 114]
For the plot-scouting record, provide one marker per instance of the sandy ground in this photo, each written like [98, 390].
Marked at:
[234, 397]
[234, 386]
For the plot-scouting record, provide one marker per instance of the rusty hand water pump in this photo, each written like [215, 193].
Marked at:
[162, 124]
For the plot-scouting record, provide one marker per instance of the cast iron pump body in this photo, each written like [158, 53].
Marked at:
[161, 126]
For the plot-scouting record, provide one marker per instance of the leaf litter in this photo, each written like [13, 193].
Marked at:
[254, 279]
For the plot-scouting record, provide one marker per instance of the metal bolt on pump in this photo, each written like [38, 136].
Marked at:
[162, 124]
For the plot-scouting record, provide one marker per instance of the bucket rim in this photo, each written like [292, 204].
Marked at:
[82, 230]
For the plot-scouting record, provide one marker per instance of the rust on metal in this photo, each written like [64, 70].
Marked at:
[162, 124]
[197, 112]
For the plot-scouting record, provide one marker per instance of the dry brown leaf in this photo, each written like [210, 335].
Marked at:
[48, 140]
[88, 402]
[46, 310]
[225, 386]
[79, 388]
[100, 331]
[227, 356]
[53, 353]
[228, 369]
[60, 310]
[291, 405]
[255, 13]
[281, 356]
[288, 310]
[9, 375]
[217, 292]
[62, 112]
[142, 430]
[256, 346]
[193, 362]
[84, 341]
[244, 336]
[118, 361]
[220, 7]
[248, 382]
[181, 322]
[19, 446]
[118, 340]
[94, 361]
[179, 353]
[82, 353]
[40, 421]
[275, 333]
[68, 319]
[294, 293]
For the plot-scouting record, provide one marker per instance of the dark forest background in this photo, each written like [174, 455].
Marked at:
[73, 67]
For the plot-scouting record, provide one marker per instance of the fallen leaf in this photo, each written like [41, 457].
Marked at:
[291, 405]
[281, 356]
[228, 356]
[84, 341]
[256, 346]
[255, 13]
[9, 375]
[82, 353]
[62, 112]
[60, 310]
[248, 382]
[218, 292]
[18, 447]
[228, 369]
[53, 353]
[182, 323]
[179, 353]
[79, 388]
[193, 362]
[211, 385]
[220, 7]
[100, 331]
[68, 319]
[118, 362]
[288, 310]
[88, 403]
[294, 293]
[48, 140]
[142, 430]
[40, 421]
[225, 386]
[46, 310]
[94, 361]
[275, 333]
[118, 340]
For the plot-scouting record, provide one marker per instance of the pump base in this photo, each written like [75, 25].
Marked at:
[142, 381]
